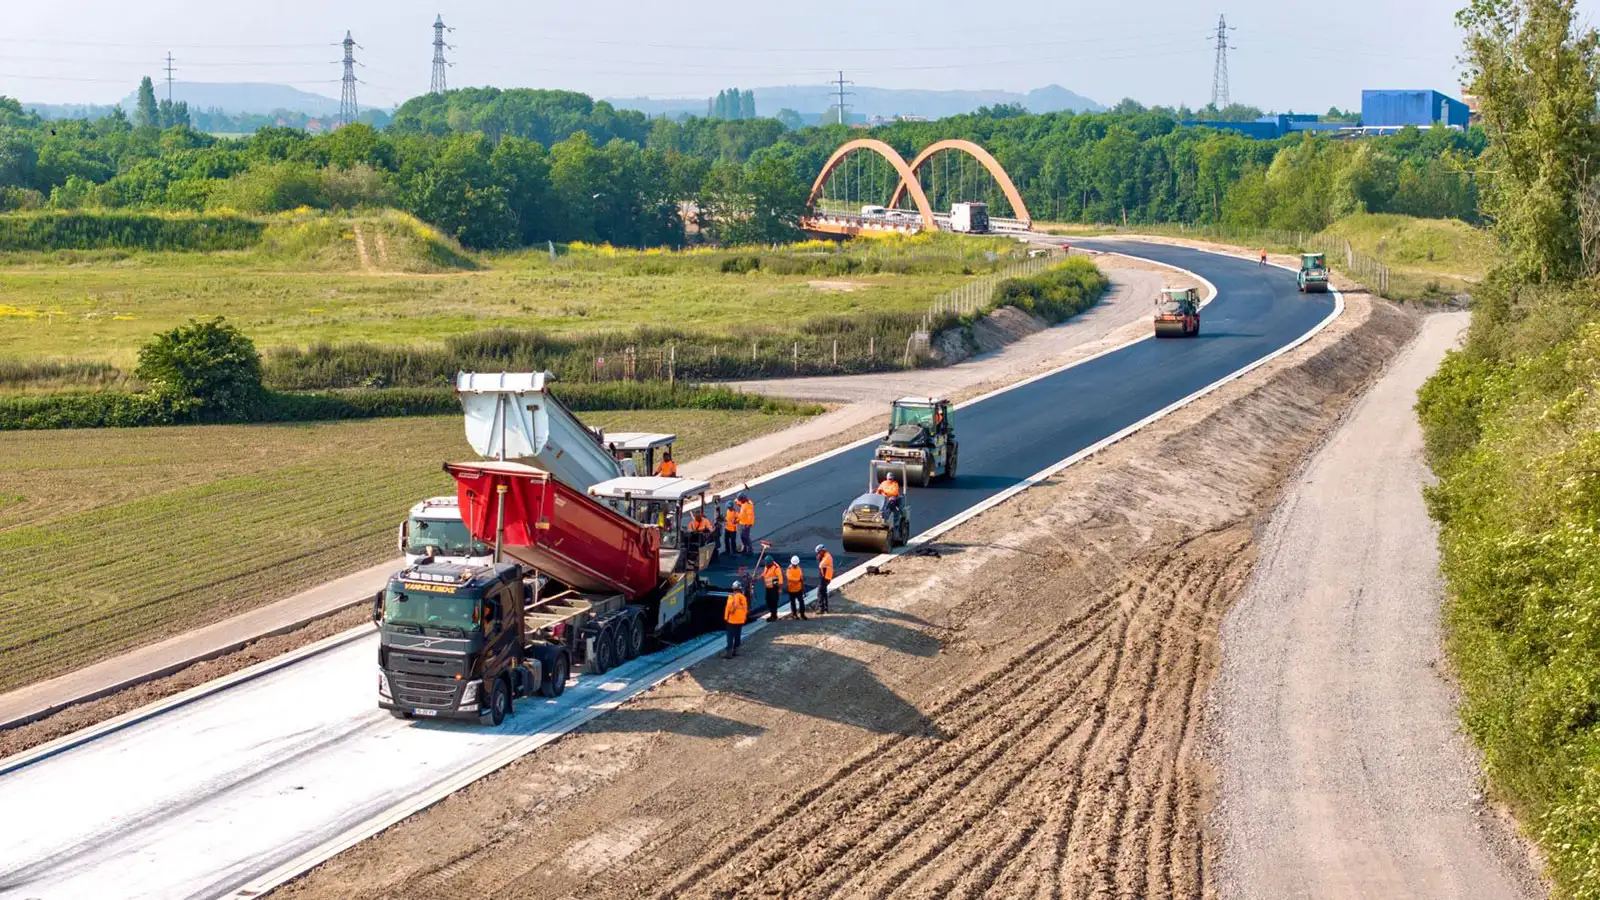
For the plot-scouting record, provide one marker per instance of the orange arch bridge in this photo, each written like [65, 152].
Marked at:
[984, 158]
[895, 159]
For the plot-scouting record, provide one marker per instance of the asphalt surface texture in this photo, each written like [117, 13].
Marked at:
[1004, 439]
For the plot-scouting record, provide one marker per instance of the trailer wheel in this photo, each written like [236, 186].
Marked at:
[499, 703]
[605, 649]
[631, 641]
[553, 680]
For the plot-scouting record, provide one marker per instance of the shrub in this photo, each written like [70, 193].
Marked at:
[1057, 293]
[79, 230]
[208, 365]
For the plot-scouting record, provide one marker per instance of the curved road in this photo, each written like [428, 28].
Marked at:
[233, 791]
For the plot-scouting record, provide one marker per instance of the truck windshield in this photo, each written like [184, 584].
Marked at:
[435, 537]
[1171, 307]
[911, 415]
[441, 613]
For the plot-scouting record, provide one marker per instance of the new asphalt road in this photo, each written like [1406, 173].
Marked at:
[234, 789]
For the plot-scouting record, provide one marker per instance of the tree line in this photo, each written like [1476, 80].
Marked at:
[501, 168]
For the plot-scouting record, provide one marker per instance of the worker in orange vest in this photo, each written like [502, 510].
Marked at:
[733, 615]
[730, 529]
[747, 520]
[890, 488]
[824, 575]
[797, 588]
[667, 468]
[772, 575]
[1263, 256]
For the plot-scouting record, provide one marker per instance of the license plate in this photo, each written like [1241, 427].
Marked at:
[426, 712]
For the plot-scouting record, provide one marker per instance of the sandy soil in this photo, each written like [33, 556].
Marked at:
[1343, 769]
[1018, 716]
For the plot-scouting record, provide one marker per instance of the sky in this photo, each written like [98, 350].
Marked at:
[1285, 54]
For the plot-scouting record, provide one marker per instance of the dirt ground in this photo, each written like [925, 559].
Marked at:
[1018, 716]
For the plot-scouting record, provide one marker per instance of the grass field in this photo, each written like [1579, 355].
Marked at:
[113, 538]
[312, 282]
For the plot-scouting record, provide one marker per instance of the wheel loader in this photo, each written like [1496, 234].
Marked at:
[921, 442]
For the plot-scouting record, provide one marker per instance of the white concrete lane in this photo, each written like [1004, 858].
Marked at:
[205, 797]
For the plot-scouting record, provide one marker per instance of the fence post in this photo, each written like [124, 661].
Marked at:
[836, 354]
[672, 364]
[872, 346]
[797, 356]
[752, 351]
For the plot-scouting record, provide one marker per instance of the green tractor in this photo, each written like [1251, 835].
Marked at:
[1313, 274]
[921, 443]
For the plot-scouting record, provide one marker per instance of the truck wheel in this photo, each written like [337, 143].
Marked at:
[499, 703]
[605, 649]
[632, 638]
[554, 680]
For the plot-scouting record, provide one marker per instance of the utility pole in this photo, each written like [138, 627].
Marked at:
[347, 98]
[1219, 76]
[169, 77]
[437, 84]
[842, 93]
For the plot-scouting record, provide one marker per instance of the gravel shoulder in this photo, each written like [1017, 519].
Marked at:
[1344, 772]
[1020, 716]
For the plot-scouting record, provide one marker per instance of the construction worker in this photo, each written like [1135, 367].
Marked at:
[772, 576]
[667, 468]
[1263, 256]
[890, 488]
[747, 520]
[797, 588]
[824, 575]
[730, 529]
[733, 616]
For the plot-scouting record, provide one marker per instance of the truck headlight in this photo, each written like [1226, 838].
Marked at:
[469, 694]
[383, 686]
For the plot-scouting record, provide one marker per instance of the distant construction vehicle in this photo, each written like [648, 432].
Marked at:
[1313, 274]
[969, 218]
[874, 525]
[1178, 313]
[921, 442]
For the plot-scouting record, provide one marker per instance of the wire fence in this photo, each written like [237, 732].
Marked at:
[1365, 269]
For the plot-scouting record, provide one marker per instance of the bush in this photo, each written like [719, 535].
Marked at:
[210, 367]
[1512, 425]
[77, 230]
[1056, 294]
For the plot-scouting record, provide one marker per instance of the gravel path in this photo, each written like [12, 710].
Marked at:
[1343, 770]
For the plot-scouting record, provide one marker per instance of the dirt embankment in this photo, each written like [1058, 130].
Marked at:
[1017, 717]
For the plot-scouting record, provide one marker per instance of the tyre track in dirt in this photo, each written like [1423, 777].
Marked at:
[1021, 717]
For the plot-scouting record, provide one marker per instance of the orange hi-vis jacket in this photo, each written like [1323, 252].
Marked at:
[700, 523]
[732, 519]
[797, 580]
[667, 469]
[772, 574]
[825, 566]
[889, 488]
[736, 609]
[747, 512]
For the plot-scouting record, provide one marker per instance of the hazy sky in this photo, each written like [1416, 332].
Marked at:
[1290, 54]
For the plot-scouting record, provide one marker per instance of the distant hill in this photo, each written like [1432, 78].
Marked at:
[813, 101]
[243, 97]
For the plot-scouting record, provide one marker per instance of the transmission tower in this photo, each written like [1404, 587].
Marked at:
[842, 95]
[347, 99]
[169, 77]
[437, 84]
[1219, 77]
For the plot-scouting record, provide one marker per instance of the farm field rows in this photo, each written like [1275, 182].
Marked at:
[126, 534]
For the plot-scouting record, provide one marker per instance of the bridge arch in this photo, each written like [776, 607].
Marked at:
[987, 160]
[907, 179]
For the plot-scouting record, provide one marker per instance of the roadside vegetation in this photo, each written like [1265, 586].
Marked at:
[118, 537]
[1512, 424]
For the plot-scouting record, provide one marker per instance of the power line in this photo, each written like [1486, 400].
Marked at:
[347, 97]
[1219, 76]
[436, 85]
[842, 93]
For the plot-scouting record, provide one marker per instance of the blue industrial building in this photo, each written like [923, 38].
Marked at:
[1397, 109]
[1269, 128]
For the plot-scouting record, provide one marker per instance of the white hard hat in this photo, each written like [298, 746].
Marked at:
[737, 585]
[794, 560]
[820, 548]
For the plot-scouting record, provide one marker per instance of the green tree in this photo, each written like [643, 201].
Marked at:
[790, 119]
[1535, 75]
[747, 105]
[145, 112]
[209, 368]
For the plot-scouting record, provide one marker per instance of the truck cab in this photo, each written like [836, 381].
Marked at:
[433, 531]
[451, 641]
